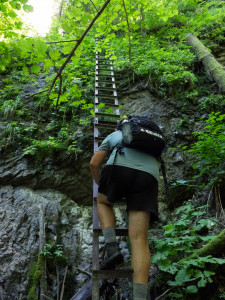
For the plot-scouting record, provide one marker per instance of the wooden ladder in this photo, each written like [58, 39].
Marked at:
[105, 120]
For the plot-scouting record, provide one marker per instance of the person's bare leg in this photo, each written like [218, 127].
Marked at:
[105, 212]
[106, 216]
[138, 233]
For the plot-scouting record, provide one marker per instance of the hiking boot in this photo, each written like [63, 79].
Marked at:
[112, 258]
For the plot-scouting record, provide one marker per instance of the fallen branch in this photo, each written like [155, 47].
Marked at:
[212, 66]
[214, 247]
[85, 293]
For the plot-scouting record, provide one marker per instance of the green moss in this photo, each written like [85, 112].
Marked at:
[34, 277]
[32, 294]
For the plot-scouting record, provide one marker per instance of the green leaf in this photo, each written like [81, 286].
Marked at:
[192, 289]
[182, 276]
[53, 96]
[35, 69]
[25, 70]
[19, 25]
[18, 6]
[27, 8]
[48, 63]
[202, 282]
[12, 14]
[54, 54]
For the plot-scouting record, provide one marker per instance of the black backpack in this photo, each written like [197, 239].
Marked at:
[143, 134]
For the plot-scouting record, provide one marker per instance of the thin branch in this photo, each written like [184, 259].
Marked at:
[164, 294]
[78, 43]
[57, 275]
[63, 284]
[62, 42]
[84, 272]
[46, 90]
[128, 26]
[94, 5]
[60, 90]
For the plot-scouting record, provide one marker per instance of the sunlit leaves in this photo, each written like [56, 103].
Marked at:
[35, 69]
[54, 54]
[23, 1]
[27, 8]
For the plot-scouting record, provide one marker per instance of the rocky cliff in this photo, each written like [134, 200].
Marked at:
[64, 190]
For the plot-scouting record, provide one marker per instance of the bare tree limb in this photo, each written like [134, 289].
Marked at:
[63, 284]
[94, 5]
[57, 275]
[46, 90]
[62, 42]
[78, 43]
[164, 294]
[60, 90]
[84, 272]
[128, 26]
[42, 241]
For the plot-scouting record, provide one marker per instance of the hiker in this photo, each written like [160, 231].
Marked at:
[132, 175]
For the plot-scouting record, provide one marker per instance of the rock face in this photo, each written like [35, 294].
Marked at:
[65, 222]
[74, 181]
[62, 189]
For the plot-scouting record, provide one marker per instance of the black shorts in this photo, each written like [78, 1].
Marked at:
[137, 188]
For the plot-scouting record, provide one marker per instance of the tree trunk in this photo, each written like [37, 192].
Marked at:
[214, 247]
[213, 68]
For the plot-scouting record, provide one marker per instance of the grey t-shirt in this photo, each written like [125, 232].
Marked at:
[131, 158]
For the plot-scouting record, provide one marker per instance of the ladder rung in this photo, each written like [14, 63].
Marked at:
[107, 126]
[106, 122]
[106, 96]
[104, 75]
[104, 70]
[102, 59]
[107, 115]
[106, 89]
[102, 64]
[106, 274]
[105, 81]
[113, 105]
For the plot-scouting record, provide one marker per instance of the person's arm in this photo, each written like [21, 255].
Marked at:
[96, 162]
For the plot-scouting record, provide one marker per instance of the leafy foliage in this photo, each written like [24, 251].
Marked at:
[181, 238]
[209, 149]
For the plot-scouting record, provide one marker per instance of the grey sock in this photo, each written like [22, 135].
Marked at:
[109, 234]
[140, 291]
